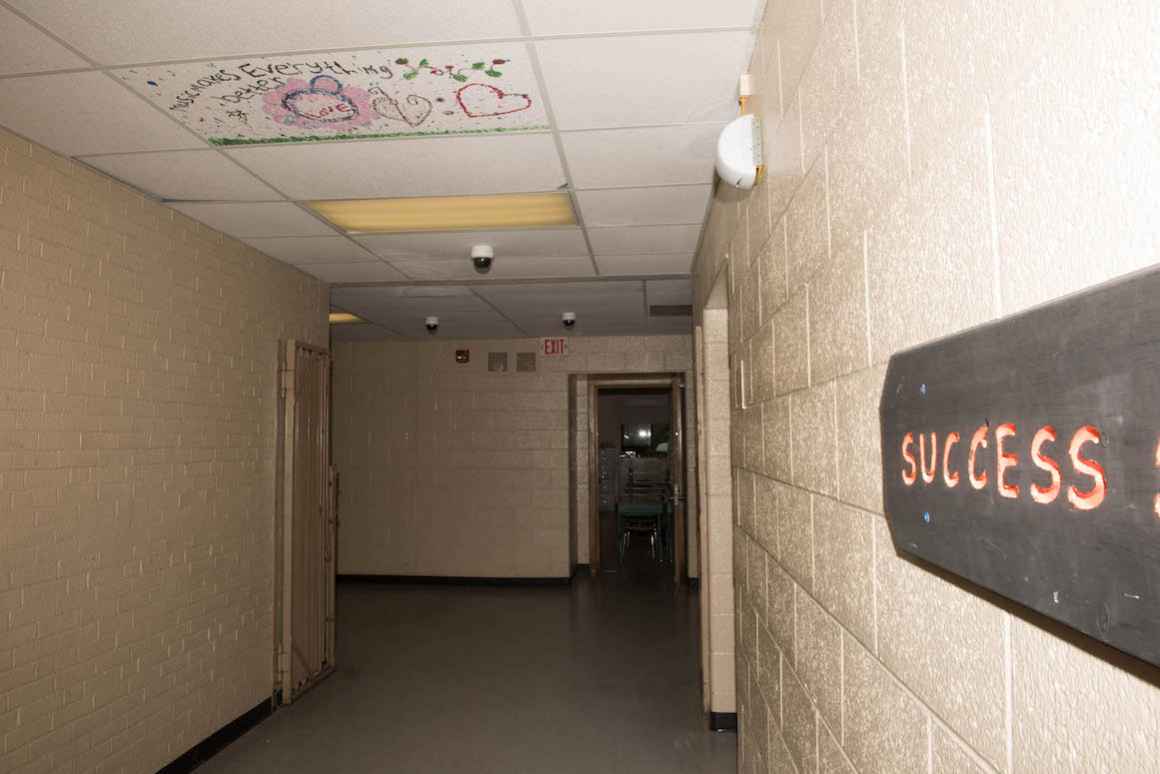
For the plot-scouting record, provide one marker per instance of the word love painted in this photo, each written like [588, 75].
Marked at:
[370, 94]
[969, 457]
[1023, 456]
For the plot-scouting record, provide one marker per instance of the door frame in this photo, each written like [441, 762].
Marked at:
[674, 380]
[284, 689]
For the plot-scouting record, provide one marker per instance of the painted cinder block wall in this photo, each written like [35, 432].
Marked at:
[450, 470]
[934, 165]
[138, 375]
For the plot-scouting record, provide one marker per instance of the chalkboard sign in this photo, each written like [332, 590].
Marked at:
[1024, 456]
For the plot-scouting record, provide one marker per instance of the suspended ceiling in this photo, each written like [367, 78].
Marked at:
[238, 113]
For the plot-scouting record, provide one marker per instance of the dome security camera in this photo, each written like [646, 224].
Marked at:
[481, 258]
[432, 324]
[569, 319]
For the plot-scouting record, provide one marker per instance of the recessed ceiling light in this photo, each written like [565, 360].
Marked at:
[448, 213]
[344, 318]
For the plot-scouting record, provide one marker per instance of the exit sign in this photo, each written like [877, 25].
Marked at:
[1024, 456]
[557, 346]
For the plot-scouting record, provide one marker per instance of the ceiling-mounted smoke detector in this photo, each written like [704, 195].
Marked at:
[739, 152]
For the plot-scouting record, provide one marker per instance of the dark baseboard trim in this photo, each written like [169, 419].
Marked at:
[695, 584]
[581, 569]
[452, 580]
[219, 740]
[722, 721]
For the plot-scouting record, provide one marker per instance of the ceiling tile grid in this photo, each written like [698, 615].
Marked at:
[238, 115]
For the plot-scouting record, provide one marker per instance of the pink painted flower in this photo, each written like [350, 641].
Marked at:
[323, 103]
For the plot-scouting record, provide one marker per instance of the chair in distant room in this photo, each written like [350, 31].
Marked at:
[642, 511]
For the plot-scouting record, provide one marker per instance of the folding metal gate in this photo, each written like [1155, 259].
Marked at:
[305, 536]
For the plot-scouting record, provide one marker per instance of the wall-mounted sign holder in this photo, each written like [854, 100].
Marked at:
[1024, 456]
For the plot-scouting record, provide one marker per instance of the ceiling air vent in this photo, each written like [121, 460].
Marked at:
[670, 310]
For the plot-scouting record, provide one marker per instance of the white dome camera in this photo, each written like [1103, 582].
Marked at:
[432, 324]
[481, 258]
[569, 319]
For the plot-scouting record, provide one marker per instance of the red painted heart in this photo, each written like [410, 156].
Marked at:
[479, 100]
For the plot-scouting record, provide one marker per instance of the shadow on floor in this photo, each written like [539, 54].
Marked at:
[599, 676]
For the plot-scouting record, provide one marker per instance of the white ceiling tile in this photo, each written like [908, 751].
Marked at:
[360, 332]
[189, 175]
[141, 31]
[362, 271]
[671, 155]
[630, 81]
[535, 243]
[644, 240]
[593, 299]
[83, 113]
[669, 292]
[254, 219]
[403, 310]
[25, 49]
[503, 269]
[426, 167]
[551, 17]
[307, 250]
[611, 265]
[644, 206]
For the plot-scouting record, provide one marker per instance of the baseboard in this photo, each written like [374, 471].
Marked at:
[219, 740]
[722, 721]
[581, 569]
[695, 584]
[451, 580]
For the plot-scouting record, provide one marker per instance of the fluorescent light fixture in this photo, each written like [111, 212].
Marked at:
[448, 213]
[344, 318]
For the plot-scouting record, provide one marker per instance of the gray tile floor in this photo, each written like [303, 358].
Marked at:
[601, 676]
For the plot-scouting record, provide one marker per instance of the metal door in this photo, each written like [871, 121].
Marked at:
[306, 534]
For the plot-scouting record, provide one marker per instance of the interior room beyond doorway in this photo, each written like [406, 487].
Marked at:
[635, 438]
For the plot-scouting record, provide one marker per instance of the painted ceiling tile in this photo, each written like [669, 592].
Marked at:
[384, 93]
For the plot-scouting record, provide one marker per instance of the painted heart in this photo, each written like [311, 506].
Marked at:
[412, 109]
[479, 100]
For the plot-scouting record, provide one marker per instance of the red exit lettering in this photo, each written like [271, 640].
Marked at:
[556, 346]
[1006, 458]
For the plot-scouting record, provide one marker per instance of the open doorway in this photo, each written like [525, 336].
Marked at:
[637, 504]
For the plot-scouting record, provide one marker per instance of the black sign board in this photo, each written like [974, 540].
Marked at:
[1024, 456]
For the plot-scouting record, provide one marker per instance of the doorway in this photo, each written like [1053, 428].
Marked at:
[637, 508]
[305, 524]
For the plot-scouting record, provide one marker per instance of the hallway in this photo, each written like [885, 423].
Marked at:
[599, 676]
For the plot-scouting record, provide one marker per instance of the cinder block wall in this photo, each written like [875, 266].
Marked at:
[138, 365]
[934, 165]
[450, 470]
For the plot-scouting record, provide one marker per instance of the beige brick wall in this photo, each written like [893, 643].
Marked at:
[138, 363]
[934, 165]
[450, 470]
